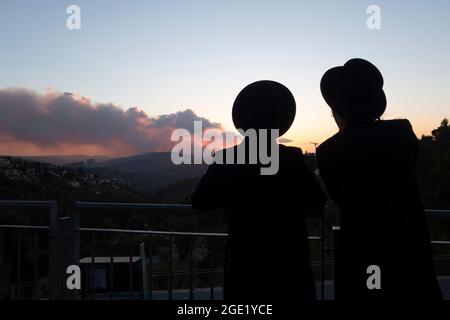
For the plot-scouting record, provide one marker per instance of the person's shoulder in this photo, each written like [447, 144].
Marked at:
[328, 144]
[398, 126]
[397, 123]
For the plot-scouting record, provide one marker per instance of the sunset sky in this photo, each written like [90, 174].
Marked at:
[163, 57]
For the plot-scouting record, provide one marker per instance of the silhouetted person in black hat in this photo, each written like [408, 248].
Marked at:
[268, 255]
[369, 170]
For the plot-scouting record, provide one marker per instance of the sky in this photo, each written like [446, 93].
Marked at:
[165, 57]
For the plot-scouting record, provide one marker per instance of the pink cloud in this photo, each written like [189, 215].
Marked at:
[65, 123]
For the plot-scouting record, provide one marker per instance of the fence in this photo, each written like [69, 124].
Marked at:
[64, 238]
[64, 246]
[160, 208]
[50, 228]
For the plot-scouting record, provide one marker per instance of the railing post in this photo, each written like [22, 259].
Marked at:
[336, 261]
[191, 268]
[150, 264]
[65, 257]
[144, 271]
[170, 276]
[64, 251]
[53, 251]
[19, 265]
[322, 256]
[76, 247]
[2, 263]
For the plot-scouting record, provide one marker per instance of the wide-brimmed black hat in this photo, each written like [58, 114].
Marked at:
[355, 90]
[264, 105]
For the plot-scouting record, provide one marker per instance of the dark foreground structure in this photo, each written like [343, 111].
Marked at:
[58, 240]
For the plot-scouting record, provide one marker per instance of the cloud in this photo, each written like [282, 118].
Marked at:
[66, 123]
[284, 140]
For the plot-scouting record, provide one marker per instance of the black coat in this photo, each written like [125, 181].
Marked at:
[369, 172]
[268, 253]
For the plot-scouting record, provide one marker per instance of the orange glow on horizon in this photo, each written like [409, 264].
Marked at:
[116, 148]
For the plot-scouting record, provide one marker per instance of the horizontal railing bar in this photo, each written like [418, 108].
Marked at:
[26, 204]
[151, 207]
[25, 284]
[186, 272]
[441, 258]
[174, 208]
[443, 215]
[440, 242]
[434, 211]
[183, 274]
[15, 226]
[166, 233]
[219, 270]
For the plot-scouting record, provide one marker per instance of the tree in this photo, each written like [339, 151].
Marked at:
[433, 169]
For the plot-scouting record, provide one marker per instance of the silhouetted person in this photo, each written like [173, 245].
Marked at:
[267, 250]
[369, 170]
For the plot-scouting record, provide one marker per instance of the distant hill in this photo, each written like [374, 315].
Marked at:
[31, 180]
[150, 171]
[65, 160]
[145, 172]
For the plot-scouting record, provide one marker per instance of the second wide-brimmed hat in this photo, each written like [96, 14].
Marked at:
[355, 90]
[264, 104]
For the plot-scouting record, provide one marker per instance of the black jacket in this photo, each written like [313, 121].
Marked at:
[268, 252]
[369, 172]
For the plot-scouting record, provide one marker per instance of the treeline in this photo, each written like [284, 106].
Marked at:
[433, 167]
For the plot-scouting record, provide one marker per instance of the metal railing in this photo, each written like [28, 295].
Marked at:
[175, 209]
[50, 228]
[147, 208]
[64, 236]
[64, 245]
